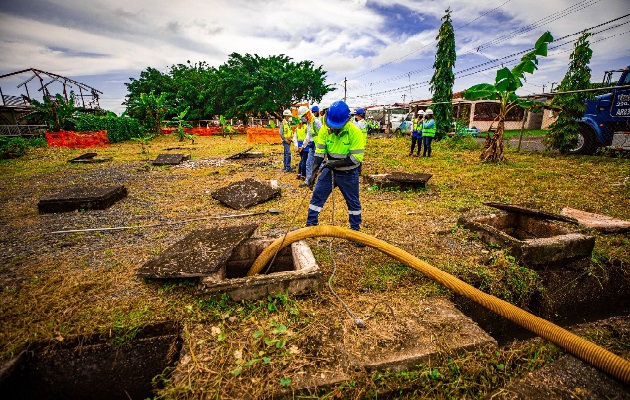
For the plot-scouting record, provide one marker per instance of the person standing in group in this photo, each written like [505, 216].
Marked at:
[360, 122]
[416, 133]
[315, 124]
[286, 135]
[343, 145]
[428, 132]
[301, 138]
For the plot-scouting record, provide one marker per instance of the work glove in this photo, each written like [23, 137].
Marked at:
[311, 180]
[335, 164]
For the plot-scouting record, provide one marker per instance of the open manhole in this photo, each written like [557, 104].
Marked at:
[293, 270]
[89, 368]
[532, 241]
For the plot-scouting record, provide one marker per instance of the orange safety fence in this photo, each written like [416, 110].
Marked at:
[262, 135]
[77, 140]
[202, 131]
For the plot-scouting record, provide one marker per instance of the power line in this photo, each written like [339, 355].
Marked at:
[544, 21]
[506, 58]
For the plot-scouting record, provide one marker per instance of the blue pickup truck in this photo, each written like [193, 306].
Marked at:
[606, 122]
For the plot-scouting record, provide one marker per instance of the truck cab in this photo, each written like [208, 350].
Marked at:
[606, 121]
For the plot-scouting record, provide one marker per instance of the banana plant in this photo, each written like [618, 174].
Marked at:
[181, 123]
[507, 82]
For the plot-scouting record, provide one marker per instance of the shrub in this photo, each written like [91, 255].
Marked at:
[118, 129]
[14, 147]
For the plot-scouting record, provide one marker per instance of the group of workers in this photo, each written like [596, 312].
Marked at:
[423, 132]
[331, 150]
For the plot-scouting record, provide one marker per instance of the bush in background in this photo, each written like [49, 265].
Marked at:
[14, 147]
[118, 129]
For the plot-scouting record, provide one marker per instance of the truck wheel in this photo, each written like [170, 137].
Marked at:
[586, 141]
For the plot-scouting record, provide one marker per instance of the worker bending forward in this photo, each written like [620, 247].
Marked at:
[343, 146]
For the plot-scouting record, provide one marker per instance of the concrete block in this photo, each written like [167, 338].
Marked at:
[82, 198]
[294, 270]
[245, 193]
[171, 159]
[201, 253]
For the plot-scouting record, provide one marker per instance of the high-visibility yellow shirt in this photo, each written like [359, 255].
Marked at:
[337, 147]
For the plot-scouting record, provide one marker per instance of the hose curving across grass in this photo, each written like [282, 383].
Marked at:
[587, 351]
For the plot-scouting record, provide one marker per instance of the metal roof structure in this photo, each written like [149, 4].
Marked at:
[87, 95]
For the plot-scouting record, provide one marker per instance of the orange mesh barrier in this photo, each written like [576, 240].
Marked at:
[212, 130]
[77, 140]
[262, 135]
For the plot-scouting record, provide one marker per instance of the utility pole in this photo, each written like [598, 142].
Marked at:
[552, 83]
[403, 96]
[345, 89]
[544, 86]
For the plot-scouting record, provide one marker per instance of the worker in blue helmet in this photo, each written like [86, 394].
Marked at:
[340, 148]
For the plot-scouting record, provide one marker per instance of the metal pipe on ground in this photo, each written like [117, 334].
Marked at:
[118, 228]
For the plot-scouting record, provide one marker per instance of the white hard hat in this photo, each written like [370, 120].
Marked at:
[286, 112]
[302, 110]
[429, 112]
[420, 112]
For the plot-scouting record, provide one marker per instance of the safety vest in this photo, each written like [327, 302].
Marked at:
[417, 124]
[428, 128]
[300, 131]
[286, 129]
[349, 141]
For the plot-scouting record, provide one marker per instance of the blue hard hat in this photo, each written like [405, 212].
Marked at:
[337, 114]
[315, 109]
[360, 111]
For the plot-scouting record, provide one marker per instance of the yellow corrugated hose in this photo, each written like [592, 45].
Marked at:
[595, 355]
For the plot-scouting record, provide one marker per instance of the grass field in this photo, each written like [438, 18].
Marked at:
[56, 287]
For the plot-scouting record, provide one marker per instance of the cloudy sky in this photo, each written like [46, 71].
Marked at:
[383, 50]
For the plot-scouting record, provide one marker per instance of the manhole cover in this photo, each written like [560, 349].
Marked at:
[82, 198]
[245, 193]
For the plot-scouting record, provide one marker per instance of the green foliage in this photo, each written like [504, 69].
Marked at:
[249, 84]
[14, 147]
[150, 109]
[243, 86]
[118, 129]
[563, 133]
[180, 122]
[443, 77]
[57, 113]
[506, 83]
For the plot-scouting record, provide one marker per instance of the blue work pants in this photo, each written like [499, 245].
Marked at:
[427, 145]
[287, 156]
[348, 184]
[309, 160]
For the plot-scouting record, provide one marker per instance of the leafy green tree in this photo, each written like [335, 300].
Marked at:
[443, 77]
[149, 109]
[504, 89]
[564, 132]
[193, 87]
[57, 113]
[253, 85]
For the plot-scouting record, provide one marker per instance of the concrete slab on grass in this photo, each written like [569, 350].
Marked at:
[171, 159]
[89, 158]
[389, 342]
[245, 193]
[201, 253]
[597, 222]
[82, 198]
